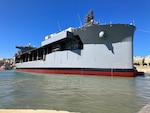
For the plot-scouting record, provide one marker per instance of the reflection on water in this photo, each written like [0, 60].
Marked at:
[84, 94]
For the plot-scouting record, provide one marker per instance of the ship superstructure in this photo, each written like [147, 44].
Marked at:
[93, 49]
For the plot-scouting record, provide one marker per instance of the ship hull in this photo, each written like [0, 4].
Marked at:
[84, 71]
[1, 68]
[107, 55]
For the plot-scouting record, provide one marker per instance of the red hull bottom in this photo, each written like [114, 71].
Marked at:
[2, 68]
[82, 72]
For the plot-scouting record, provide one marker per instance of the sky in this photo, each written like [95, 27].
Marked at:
[29, 21]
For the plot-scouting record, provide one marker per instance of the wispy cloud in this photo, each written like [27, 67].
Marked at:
[142, 30]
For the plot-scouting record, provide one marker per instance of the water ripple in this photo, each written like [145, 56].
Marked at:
[84, 94]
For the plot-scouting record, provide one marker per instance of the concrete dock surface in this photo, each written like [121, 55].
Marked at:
[145, 109]
[31, 111]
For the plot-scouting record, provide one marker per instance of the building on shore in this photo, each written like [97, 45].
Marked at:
[141, 61]
[147, 61]
[6, 63]
[142, 64]
[138, 60]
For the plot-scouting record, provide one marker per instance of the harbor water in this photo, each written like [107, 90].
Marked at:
[73, 93]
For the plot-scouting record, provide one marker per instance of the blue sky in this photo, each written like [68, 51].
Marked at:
[29, 21]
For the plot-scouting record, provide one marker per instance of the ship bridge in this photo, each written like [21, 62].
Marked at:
[59, 36]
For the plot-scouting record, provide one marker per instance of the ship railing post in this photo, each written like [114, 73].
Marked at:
[32, 57]
[37, 57]
[28, 57]
[44, 55]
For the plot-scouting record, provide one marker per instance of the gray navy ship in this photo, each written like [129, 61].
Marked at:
[92, 49]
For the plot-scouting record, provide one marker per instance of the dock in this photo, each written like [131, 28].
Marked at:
[145, 109]
[31, 111]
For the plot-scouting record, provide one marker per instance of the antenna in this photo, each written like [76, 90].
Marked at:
[80, 20]
[58, 25]
[133, 22]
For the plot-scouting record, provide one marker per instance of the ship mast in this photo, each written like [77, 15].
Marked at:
[89, 18]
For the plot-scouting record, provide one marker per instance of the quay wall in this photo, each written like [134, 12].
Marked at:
[145, 69]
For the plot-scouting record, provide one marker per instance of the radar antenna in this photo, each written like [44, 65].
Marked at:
[89, 18]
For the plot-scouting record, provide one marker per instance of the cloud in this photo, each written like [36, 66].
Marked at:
[142, 30]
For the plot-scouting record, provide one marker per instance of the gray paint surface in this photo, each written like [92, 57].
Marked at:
[114, 50]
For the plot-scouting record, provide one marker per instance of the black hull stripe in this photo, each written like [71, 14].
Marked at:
[85, 69]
